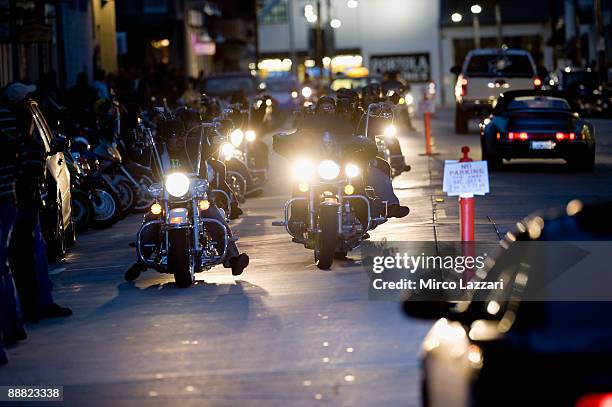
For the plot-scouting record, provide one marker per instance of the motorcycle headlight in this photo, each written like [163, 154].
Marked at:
[306, 92]
[328, 170]
[351, 170]
[227, 150]
[390, 130]
[155, 190]
[250, 135]
[236, 137]
[177, 184]
[303, 169]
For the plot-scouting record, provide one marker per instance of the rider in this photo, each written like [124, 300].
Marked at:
[328, 119]
[191, 120]
[171, 134]
[373, 93]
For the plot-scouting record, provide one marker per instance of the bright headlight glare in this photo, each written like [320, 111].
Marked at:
[390, 130]
[294, 94]
[329, 170]
[250, 135]
[177, 184]
[351, 170]
[303, 169]
[306, 92]
[409, 99]
[227, 150]
[236, 137]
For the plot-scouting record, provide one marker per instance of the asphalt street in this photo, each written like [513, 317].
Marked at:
[284, 333]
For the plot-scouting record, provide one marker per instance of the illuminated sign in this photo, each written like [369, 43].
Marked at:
[411, 67]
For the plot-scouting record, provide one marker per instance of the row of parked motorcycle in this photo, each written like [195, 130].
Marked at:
[102, 167]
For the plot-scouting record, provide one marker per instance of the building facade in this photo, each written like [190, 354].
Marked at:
[66, 36]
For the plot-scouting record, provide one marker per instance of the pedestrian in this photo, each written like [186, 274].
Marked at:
[100, 85]
[11, 154]
[28, 250]
[80, 100]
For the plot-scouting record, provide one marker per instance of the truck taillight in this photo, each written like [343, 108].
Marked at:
[537, 83]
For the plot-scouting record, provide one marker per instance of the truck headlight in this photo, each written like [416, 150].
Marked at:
[177, 184]
[227, 150]
[328, 170]
[303, 169]
[351, 170]
[236, 137]
[250, 135]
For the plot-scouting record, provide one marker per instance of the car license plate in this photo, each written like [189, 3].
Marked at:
[542, 145]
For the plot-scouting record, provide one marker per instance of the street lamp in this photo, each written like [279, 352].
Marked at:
[456, 17]
[352, 3]
[476, 9]
[335, 23]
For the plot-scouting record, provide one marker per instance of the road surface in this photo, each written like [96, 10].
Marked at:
[284, 333]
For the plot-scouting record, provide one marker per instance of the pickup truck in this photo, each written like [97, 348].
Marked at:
[484, 75]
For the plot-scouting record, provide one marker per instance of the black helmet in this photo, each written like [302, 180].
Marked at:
[188, 117]
[347, 100]
[170, 128]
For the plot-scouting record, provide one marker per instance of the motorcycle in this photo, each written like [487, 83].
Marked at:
[95, 203]
[185, 246]
[335, 208]
[379, 124]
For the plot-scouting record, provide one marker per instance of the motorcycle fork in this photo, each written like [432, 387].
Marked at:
[129, 176]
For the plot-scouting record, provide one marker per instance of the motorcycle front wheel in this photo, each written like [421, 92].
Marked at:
[327, 237]
[180, 258]
[106, 204]
[143, 199]
[126, 195]
[82, 210]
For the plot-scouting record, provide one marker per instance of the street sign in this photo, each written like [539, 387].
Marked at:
[465, 178]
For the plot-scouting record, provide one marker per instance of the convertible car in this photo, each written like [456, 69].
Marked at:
[537, 124]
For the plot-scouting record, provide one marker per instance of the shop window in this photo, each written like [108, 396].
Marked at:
[275, 11]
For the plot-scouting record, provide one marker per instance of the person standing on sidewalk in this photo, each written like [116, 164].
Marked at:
[28, 250]
[11, 154]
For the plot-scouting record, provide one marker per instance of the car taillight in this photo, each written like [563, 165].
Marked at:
[565, 136]
[595, 400]
[513, 135]
[537, 83]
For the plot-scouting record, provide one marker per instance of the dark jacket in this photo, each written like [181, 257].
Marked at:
[310, 139]
[11, 153]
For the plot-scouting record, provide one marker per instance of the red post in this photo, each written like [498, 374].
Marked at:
[427, 120]
[466, 214]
